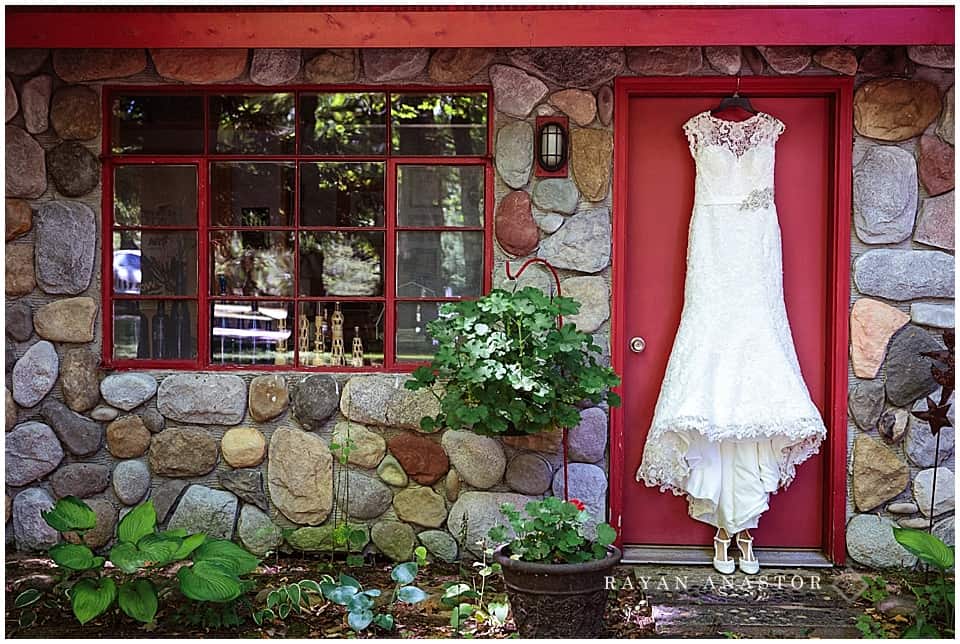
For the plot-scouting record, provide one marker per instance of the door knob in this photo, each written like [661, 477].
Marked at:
[638, 344]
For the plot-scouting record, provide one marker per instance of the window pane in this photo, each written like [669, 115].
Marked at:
[252, 124]
[155, 195]
[425, 124]
[347, 264]
[432, 195]
[251, 332]
[154, 330]
[361, 332]
[343, 123]
[341, 194]
[414, 343]
[250, 262]
[252, 194]
[439, 264]
[162, 124]
[154, 263]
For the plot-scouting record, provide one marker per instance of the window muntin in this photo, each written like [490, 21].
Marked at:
[308, 230]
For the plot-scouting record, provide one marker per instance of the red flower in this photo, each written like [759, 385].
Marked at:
[577, 503]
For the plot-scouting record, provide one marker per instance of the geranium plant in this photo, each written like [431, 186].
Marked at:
[503, 366]
[554, 532]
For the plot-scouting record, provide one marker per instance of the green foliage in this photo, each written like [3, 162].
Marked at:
[138, 599]
[936, 601]
[70, 513]
[503, 366]
[876, 588]
[360, 604]
[74, 557]
[290, 599]
[90, 598]
[925, 546]
[469, 600]
[552, 532]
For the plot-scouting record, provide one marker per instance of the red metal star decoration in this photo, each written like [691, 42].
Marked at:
[935, 415]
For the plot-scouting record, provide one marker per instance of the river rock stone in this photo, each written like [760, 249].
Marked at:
[529, 473]
[206, 510]
[152, 419]
[369, 498]
[274, 66]
[481, 511]
[268, 397]
[105, 413]
[66, 246]
[870, 542]
[605, 105]
[131, 481]
[515, 92]
[895, 109]
[26, 169]
[920, 444]
[516, 229]
[582, 244]
[885, 61]
[74, 169]
[908, 373]
[593, 294]
[872, 323]
[664, 61]
[332, 66]
[205, 399]
[80, 480]
[390, 471]
[25, 61]
[786, 60]
[944, 530]
[903, 507]
[75, 113]
[69, 320]
[543, 442]
[386, 65]
[79, 65]
[893, 424]
[323, 539]
[904, 274]
[549, 222]
[10, 418]
[579, 105]
[587, 442]
[931, 55]
[35, 102]
[128, 390]
[479, 460]
[12, 104]
[384, 400]
[368, 446]
[128, 438]
[936, 222]
[243, 447]
[20, 278]
[878, 473]
[246, 484]
[423, 460]
[589, 484]
[19, 321]
[315, 399]
[459, 64]
[591, 162]
[32, 452]
[200, 65]
[166, 496]
[583, 67]
[182, 452]
[559, 195]
[885, 195]
[945, 128]
[440, 544]
[257, 532]
[514, 157]
[725, 60]
[935, 315]
[839, 59]
[935, 161]
[923, 491]
[78, 434]
[30, 531]
[78, 379]
[420, 505]
[393, 539]
[300, 476]
[34, 374]
[102, 532]
[19, 218]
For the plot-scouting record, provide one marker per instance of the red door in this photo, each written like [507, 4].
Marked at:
[656, 183]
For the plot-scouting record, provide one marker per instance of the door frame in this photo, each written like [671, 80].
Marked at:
[839, 90]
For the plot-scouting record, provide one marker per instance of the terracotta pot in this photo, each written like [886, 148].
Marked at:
[558, 600]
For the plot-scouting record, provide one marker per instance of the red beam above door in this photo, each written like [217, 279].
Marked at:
[515, 26]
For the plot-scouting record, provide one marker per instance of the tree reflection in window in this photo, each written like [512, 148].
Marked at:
[343, 123]
[252, 124]
[439, 124]
[341, 194]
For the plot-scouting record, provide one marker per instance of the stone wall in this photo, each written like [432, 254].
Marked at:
[249, 454]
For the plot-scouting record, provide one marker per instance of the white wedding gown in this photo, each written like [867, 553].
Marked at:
[734, 417]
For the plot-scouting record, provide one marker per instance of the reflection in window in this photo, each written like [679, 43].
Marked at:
[413, 341]
[341, 194]
[333, 334]
[439, 264]
[155, 195]
[343, 123]
[246, 262]
[251, 332]
[345, 264]
[252, 124]
[154, 329]
[154, 263]
[252, 194]
[433, 195]
[158, 124]
[431, 124]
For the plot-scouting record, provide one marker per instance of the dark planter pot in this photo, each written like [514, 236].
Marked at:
[558, 600]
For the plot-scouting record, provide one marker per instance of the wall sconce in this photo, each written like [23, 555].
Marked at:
[552, 139]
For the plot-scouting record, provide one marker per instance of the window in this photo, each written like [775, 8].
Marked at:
[303, 229]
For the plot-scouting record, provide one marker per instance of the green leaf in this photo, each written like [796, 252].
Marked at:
[293, 592]
[74, 557]
[206, 581]
[157, 550]
[455, 591]
[227, 555]
[341, 594]
[127, 557]
[70, 513]
[360, 620]
[925, 546]
[179, 533]
[411, 595]
[138, 599]
[139, 522]
[89, 599]
[27, 597]
[359, 602]
[188, 545]
[283, 610]
[404, 573]
[499, 611]
[347, 580]
[384, 621]
[309, 585]
[606, 535]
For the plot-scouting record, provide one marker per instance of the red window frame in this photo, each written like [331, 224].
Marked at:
[391, 161]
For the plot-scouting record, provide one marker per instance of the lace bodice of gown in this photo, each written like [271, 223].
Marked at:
[734, 159]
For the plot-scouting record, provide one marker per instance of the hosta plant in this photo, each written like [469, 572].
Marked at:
[212, 572]
[503, 367]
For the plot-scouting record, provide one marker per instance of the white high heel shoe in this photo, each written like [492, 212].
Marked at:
[721, 560]
[748, 561]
